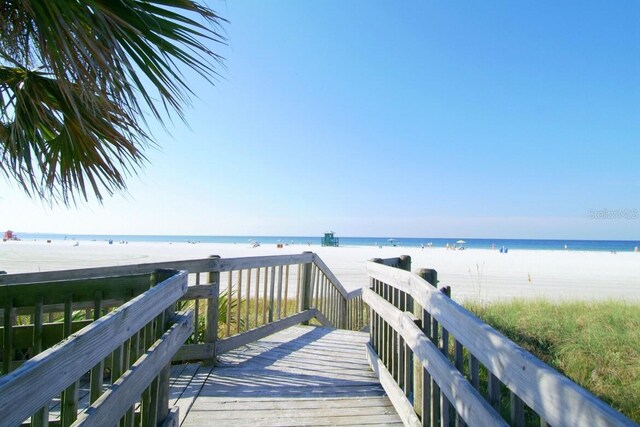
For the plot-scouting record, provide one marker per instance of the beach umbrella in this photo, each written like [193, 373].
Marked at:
[461, 242]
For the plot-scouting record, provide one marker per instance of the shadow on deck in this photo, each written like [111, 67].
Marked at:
[300, 376]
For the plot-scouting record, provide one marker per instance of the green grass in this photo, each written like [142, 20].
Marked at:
[596, 344]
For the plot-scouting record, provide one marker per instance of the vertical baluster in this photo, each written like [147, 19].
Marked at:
[314, 285]
[134, 343]
[299, 290]
[516, 409]
[427, 412]
[69, 404]
[264, 295]
[322, 307]
[164, 378]
[41, 417]
[306, 288]
[444, 401]
[257, 298]
[459, 363]
[155, 404]
[196, 314]
[279, 305]
[8, 336]
[286, 289]
[336, 309]
[147, 411]
[435, 389]
[247, 304]
[229, 298]
[272, 294]
[239, 302]
[474, 371]
[213, 307]
[494, 391]
[97, 371]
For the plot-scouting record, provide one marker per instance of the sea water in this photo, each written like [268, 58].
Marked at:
[486, 243]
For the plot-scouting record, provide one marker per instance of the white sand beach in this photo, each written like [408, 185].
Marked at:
[472, 274]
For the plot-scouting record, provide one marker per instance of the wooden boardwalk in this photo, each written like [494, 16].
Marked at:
[300, 376]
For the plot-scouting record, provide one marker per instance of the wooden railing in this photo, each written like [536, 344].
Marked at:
[131, 346]
[229, 296]
[441, 365]
[230, 302]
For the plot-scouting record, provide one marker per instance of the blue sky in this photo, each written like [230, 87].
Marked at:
[377, 118]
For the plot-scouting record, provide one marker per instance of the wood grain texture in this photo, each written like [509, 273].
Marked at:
[553, 396]
[302, 375]
[48, 373]
[127, 389]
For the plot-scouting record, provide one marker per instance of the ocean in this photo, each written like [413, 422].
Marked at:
[531, 244]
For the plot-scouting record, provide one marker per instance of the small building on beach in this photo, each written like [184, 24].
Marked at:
[9, 235]
[330, 239]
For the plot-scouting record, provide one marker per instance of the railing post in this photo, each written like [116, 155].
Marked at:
[374, 323]
[306, 287]
[429, 275]
[211, 328]
[423, 400]
[405, 262]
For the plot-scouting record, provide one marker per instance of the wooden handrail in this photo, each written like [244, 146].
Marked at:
[557, 399]
[193, 266]
[467, 401]
[48, 373]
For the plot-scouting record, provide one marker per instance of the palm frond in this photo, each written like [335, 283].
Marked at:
[75, 77]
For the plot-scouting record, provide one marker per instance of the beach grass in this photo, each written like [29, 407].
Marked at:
[596, 344]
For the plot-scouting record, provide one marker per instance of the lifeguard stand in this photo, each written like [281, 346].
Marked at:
[329, 239]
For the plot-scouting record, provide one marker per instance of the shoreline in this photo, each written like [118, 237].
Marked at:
[478, 274]
[348, 241]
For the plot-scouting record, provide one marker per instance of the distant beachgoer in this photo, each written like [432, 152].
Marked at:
[422, 246]
[635, 249]
[447, 246]
[566, 247]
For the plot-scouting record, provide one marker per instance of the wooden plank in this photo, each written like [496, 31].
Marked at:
[200, 419]
[49, 372]
[192, 390]
[195, 352]
[173, 418]
[255, 334]
[219, 404]
[47, 334]
[117, 287]
[298, 376]
[291, 410]
[126, 390]
[7, 355]
[322, 319]
[125, 270]
[232, 264]
[201, 291]
[395, 393]
[552, 395]
[193, 266]
[332, 278]
[180, 377]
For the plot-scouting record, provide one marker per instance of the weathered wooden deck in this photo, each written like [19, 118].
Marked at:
[303, 375]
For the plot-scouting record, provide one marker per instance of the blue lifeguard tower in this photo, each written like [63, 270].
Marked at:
[330, 239]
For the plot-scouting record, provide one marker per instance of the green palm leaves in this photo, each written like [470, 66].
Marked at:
[77, 77]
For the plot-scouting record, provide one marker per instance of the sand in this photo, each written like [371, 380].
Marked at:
[482, 274]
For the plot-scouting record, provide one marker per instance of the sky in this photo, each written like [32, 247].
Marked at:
[379, 118]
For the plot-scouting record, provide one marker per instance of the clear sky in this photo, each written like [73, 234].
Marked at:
[380, 118]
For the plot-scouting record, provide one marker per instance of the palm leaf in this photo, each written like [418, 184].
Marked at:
[75, 78]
